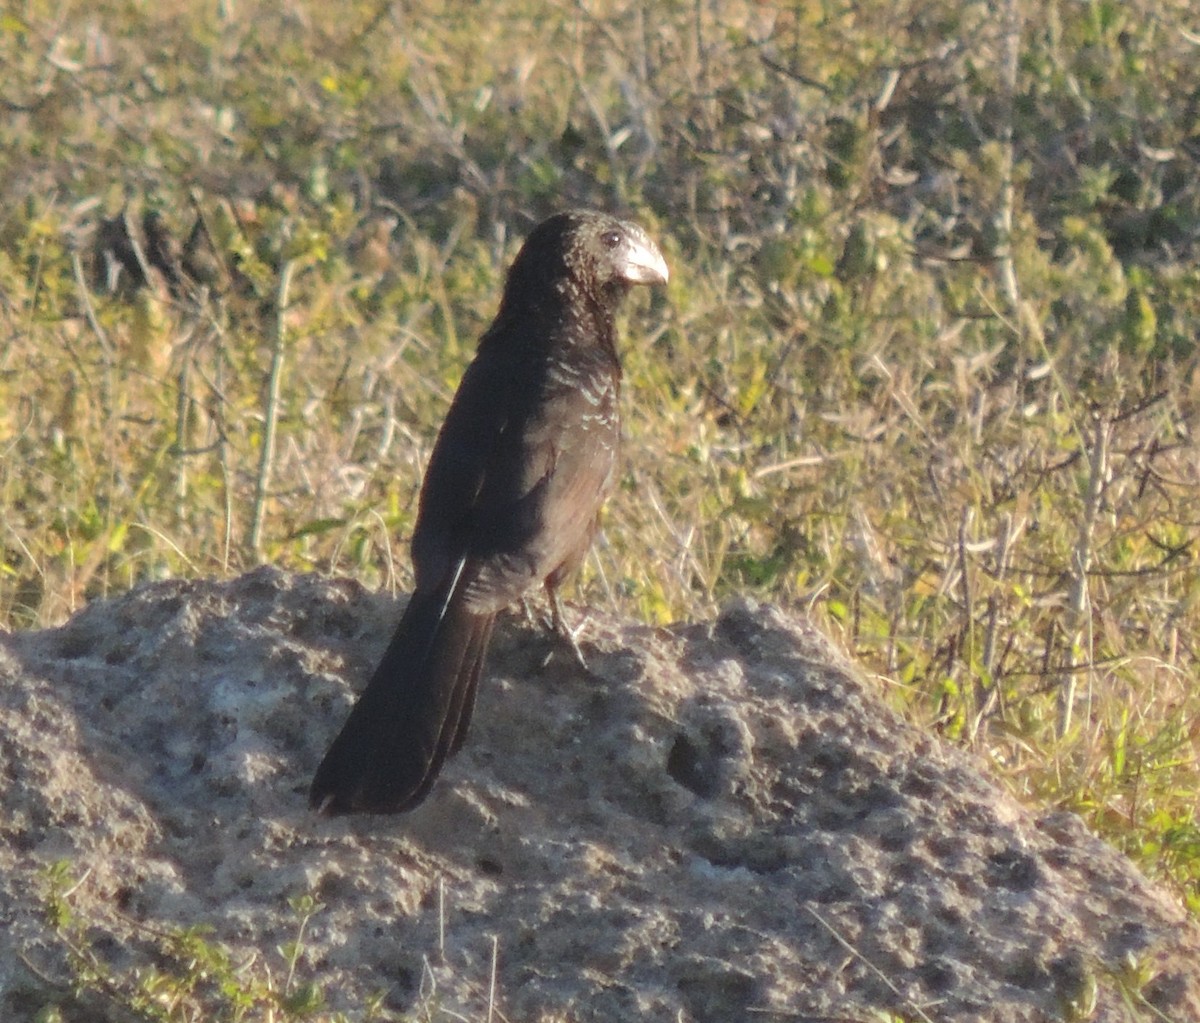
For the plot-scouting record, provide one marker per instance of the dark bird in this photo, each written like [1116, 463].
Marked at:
[510, 500]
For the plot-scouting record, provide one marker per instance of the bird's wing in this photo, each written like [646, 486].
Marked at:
[517, 478]
[475, 428]
[538, 508]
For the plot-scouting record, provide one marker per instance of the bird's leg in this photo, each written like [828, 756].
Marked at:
[559, 624]
[530, 618]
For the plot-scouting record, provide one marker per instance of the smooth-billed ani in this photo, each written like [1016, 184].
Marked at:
[510, 499]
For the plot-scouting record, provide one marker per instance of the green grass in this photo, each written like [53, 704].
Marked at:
[181, 975]
[938, 389]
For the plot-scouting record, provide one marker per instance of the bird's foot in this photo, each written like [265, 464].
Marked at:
[533, 620]
[563, 630]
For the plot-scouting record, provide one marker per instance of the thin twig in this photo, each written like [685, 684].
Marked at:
[492, 984]
[442, 918]
[89, 311]
[1010, 56]
[867, 963]
[1079, 598]
[271, 413]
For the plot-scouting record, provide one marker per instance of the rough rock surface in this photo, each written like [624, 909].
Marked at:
[722, 818]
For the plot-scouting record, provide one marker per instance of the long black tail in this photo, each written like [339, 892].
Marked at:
[412, 715]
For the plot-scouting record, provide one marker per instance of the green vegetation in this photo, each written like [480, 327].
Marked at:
[927, 366]
[181, 975]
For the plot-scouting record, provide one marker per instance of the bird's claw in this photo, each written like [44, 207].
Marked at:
[559, 624]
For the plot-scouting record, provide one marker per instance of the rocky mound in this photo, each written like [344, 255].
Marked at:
[715, 822]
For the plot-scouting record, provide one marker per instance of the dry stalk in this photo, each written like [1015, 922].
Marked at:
[1079, 629]
[271, 412]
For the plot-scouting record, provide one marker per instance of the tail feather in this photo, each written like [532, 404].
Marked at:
[458, 712]
[411, 715]
[459, 734]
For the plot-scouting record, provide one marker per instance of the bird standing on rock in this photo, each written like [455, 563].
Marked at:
[510, 501]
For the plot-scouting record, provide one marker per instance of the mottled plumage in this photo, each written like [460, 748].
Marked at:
[521, 466]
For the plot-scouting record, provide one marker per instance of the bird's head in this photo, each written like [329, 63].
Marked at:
[589, 251]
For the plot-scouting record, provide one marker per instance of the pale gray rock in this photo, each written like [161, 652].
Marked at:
[718, 820]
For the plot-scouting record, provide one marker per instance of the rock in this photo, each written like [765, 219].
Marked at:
[717, 820]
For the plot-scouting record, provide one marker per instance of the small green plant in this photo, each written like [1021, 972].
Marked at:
[184, 975]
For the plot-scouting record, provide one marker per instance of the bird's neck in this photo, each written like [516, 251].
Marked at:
[563, 314]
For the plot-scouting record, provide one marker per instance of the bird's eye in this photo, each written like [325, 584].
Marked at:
[611, 239]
